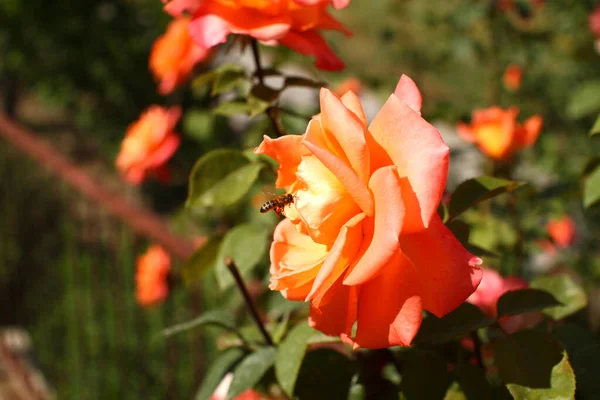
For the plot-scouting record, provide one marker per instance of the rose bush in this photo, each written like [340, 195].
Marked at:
[174, 56]
[363, 241]
[491, 288]
[151, 276]
[292, 23]
[497, 132]
[148, 144]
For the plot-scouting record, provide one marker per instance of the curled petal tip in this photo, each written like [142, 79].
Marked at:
[475, 261]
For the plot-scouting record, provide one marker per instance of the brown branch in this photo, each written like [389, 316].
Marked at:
[248, 299]
[271, 112]
[140, 220]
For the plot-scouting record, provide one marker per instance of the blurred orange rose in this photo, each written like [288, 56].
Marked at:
[363, 241]
[594, 21]
[347, 85]
[148, 144]
[174, 56]
[491, 288]
[562, 231]
[513, 74]
[151, 276]
[497, 132]
[292, 23]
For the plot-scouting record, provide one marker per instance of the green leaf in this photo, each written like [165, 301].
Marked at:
[596, 128]
[249, 372]
[257, 106]
[290, 355]
[566, 291]
[304, 82]
[424, 375]
[584, 100]
[476, 190]
[525, 300]
[357, 391]
[198, 124]
[234, 107]
[202, 260]
[228, 76]
[222, 318]
[217, 370]
[221, 178]
[443, 212]
[534, 365]
[460, 322]
[325, 375]
[583, 348]
[246, 244]
[591, 188]
[204, 79]
[461, 230]
[590, 166]
[472, 381]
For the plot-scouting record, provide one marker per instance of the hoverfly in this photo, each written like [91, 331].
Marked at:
[278, 203]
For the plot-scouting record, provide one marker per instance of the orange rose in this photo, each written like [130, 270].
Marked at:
[594, 21]
[292, 23]
[363, 241]
[491, 288]
[562, 231]
[151, 276]
[174, 56]
[497, 132]
[148, 144]
[513, 74]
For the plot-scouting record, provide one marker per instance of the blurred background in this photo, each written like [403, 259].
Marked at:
[76, 75]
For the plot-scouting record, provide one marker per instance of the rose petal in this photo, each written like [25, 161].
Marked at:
[322, 205]
[337, 316]
[310, 43]
[347, 130]
[209, 30]
[291, 248]
[389, 307]
[532, 127]
[355, 187]
[340, 255]
[177, 7]
[389, 214]
[418, 150]
[287, 151]
[449, 274]
[408, 93]
[351, 100]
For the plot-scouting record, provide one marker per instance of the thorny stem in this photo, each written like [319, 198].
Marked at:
[249, 303]
[271, 112]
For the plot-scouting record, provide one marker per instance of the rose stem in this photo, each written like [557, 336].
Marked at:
[249, 303]
[477, 347]
[271, 111]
